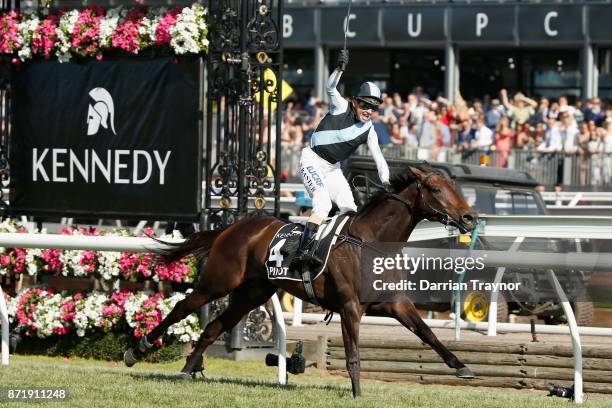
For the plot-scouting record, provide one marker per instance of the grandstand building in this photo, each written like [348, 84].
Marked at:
[540, 48]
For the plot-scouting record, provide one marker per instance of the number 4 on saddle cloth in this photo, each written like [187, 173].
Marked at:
[284, 245]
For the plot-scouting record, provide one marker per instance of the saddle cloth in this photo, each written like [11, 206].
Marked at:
[284, 245]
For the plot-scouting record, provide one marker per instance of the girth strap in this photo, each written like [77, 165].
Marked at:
[307, 279]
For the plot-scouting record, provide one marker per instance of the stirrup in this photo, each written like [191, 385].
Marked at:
[308, 257]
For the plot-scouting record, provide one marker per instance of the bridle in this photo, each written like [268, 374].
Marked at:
[444, 217]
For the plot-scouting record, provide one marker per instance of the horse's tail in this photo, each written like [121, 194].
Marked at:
[197, 244]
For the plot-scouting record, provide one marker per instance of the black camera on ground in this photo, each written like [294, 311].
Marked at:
[560, 391]
[296, 364]
[14, 340]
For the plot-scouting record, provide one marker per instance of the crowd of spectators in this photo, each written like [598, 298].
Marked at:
[489, 125]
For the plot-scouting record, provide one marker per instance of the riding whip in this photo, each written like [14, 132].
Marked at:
[346, 27]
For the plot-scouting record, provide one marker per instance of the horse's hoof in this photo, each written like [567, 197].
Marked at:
[183, 376]
[129, 358]
[464, 372]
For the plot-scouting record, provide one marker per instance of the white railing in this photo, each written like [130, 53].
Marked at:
[570, 202]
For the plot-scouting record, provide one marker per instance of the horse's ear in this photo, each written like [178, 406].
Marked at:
[417, 172]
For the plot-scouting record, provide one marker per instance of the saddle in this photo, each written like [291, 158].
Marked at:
[283, 249]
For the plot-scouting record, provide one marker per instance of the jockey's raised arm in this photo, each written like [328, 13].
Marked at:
[337, 103]
[345, 127]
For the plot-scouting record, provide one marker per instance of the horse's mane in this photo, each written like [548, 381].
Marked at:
[399, 182]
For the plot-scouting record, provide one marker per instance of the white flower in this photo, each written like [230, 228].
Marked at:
[109, 264]
[188, 329]
[9, 225]
[88, 312]
[133, 305]
[47, 316]
[189, 32]
[64, 33]
[11, 306]
[108, 25]
[72, 263]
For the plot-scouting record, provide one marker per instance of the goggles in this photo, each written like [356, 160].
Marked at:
[366, 106]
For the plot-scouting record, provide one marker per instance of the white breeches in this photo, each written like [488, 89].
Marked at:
[325, 183]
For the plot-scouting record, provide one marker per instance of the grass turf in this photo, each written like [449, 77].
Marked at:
[93, 384]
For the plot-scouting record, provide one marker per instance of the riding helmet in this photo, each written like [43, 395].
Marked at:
[369, 93]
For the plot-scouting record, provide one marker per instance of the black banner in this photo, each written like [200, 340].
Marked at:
[552, 25]
[363, 25]
[600, 17]
[299, 26]
[413, 25]
[483, 24]
[473, 24]
[107, 138]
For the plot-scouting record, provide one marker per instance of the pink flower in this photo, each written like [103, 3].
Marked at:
[149, 316]
[126, 37]
[162, 32]
[51, 261]
[175, 272]
[65, 231]
[44, 39]
[86, 32]
[5, 260]
[9, 32]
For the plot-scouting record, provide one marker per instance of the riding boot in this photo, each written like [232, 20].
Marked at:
[304, 255]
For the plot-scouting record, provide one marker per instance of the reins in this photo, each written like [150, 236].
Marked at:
[351, 238]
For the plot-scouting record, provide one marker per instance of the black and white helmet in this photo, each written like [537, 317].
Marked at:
[370, 93]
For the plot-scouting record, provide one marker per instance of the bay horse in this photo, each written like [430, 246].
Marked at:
[236, 257]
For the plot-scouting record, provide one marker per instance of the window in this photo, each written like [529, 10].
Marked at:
[492, 201]
[550, 73]
[298, 70]
[604, 64]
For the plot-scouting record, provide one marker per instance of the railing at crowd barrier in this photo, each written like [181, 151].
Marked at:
[547, 168]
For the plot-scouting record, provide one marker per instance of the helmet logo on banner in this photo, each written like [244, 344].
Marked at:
[101, 113]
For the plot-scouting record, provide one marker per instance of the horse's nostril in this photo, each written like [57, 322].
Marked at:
[467, 219]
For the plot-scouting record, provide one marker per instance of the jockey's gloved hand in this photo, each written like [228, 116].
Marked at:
[343, 60]
[388, 187]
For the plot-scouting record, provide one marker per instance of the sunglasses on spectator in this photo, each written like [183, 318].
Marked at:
[365, 106]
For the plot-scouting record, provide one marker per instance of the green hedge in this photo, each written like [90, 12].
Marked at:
[99, 346]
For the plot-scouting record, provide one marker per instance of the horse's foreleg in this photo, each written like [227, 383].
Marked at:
[243, 299]
[407, 315]
[181, 310]
[351, 318]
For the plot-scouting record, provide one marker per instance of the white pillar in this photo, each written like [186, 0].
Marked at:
[573, 328]
[282, 343]
[297, 312]
[451, 71]
[5, 329]
[589, 72]
[589, 65]
[320, 70]
[492, 329]
[321, 59]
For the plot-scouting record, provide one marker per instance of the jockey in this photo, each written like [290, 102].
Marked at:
[346, 126]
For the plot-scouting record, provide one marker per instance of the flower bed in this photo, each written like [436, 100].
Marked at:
[93, 31]
[42, 313]
[98, 345]
[103, 265]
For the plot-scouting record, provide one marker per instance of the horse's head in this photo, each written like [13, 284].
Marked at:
[436, 198]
